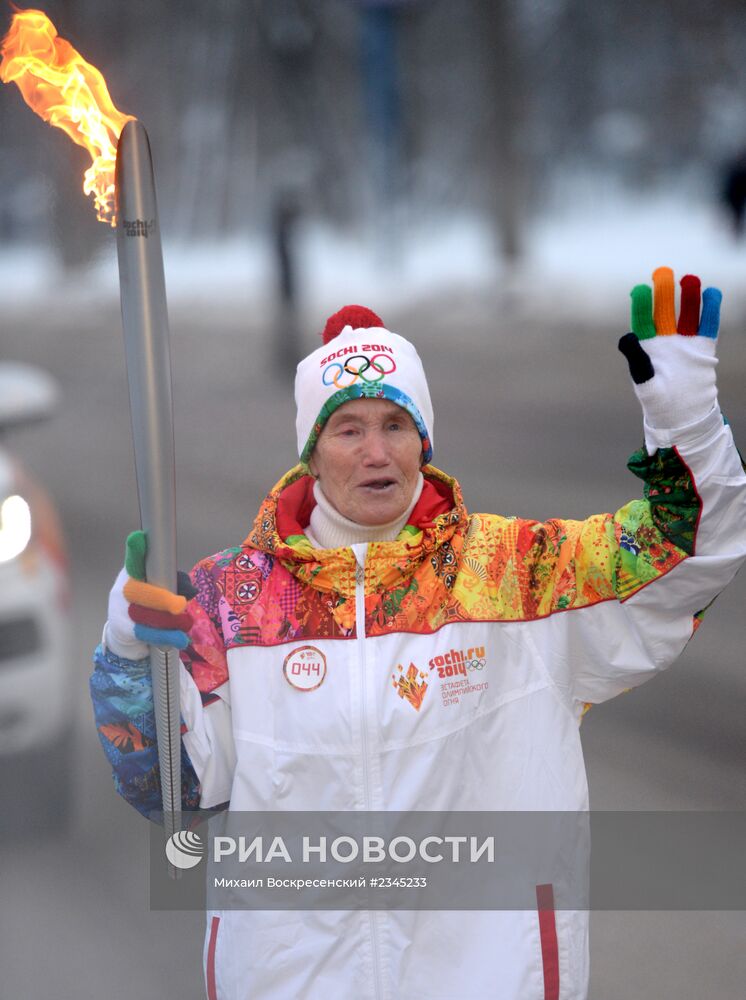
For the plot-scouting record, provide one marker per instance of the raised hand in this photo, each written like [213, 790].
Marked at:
[673, 364]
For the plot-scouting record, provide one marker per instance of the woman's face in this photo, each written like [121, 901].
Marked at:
[367, 460]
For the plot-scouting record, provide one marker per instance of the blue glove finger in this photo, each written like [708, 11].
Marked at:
[710, 321]
[162, 637]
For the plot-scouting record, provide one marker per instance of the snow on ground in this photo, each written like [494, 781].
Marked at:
[607, 247]
[581, 256]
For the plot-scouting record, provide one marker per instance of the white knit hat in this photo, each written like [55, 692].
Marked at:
[360, 358]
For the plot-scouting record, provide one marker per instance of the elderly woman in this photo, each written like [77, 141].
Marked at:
[327, 660]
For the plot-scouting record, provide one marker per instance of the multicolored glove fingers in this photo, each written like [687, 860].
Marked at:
[653, 314]
[658, 319]
[160, 616]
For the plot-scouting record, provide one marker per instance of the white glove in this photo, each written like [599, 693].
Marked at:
[673, 367]
[141, 614]
[119, 631]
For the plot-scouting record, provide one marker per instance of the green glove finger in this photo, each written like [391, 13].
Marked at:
[642, 312]
[134, 555]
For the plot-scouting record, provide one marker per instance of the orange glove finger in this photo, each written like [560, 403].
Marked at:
[664, 307]
[156, 598]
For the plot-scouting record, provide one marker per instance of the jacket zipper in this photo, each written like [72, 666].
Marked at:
[360, 630]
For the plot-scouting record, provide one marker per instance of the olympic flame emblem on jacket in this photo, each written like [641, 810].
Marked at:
[411, 685]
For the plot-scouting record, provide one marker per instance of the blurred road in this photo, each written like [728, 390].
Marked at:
[534, 418]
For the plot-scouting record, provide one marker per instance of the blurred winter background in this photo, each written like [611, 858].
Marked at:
[397, 144]
[492, 176]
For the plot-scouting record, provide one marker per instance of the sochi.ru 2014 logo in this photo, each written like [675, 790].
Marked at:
[460, 673]
[458, 661]
[184, 849]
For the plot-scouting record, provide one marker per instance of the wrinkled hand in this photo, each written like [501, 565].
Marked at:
[141, 614]
[673, 365]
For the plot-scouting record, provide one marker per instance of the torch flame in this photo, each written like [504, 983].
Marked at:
[62, 88]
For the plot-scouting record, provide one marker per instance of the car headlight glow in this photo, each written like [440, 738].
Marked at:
[15, 527]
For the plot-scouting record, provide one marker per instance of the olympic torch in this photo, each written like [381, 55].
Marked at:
[146, 343]
[70, 93]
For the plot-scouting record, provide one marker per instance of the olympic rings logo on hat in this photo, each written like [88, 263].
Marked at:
[348, 373]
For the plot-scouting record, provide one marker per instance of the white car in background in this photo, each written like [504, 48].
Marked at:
[36, 676]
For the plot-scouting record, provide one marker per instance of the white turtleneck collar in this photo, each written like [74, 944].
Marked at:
[328, 529]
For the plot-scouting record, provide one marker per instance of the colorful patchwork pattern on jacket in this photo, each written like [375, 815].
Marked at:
[122, 695]
[446, 566]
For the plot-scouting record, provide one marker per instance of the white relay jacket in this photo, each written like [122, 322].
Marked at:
[447, 670]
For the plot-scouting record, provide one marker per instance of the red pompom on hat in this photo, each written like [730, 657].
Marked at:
[358, 317]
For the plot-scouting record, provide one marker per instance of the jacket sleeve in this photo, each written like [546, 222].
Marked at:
[634, 584]
[122, 695]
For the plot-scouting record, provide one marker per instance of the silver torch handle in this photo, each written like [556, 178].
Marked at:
[146, 343]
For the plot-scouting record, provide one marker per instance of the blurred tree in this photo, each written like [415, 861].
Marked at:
[382, 100]
[504, 141]
[302, 105]
[473, 106]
